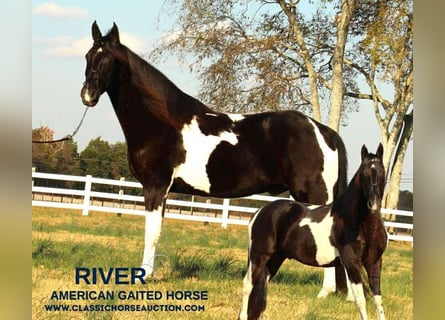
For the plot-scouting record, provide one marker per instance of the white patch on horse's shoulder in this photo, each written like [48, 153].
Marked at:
[235, 116]
[326, 252]
[198, 148]
[330, 163]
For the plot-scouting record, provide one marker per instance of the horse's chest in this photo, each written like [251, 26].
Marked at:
[198, 148]
[318, 234]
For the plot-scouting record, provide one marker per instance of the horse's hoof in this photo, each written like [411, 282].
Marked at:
[146, 272]
[325, 292]
[350, 298]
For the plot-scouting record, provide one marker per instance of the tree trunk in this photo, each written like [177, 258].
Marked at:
[337, 93]
[395, 174]
[304, 53]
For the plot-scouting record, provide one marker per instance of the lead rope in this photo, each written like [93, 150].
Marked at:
[68, 136]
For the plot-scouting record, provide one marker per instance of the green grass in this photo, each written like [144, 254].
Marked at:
[191, 257]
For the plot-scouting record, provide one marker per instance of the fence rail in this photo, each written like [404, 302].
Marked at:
[222, 211]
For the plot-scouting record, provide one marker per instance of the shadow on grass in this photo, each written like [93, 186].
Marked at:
[196, 264]
[302, 278]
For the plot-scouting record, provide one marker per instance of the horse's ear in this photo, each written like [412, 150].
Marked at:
[114, 34]
[95, 31]
[379, 152]
[364, 152]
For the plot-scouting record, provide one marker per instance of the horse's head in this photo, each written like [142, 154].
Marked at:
[372, 178]
[101, 64]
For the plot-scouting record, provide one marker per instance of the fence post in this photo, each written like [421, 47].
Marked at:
[225, 213]
[33, 169]
[86, 197]
[121, 193]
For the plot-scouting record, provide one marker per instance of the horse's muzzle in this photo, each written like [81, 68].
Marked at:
[374, 205]
[89, 97]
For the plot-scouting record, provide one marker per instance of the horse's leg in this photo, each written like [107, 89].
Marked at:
[373, 272]
[153, 224]
[274, 263]
[350, 296]
[254, 288]
[329, 285]
[335, 279]
[352, 265]
[247, 289]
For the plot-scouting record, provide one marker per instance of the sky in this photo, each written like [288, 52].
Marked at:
[61, 36]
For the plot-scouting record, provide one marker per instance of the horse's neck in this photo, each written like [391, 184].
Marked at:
[352, 202]
[138, 124]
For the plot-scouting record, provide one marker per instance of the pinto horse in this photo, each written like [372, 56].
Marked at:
[176, 143]
[348, 232]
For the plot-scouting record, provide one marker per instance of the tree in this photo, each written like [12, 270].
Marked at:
[385, 55]
[105, 160]
[406, 200]
[95, 159]
[60, 157]
[277, 54]
[119, 165]
[263, 55]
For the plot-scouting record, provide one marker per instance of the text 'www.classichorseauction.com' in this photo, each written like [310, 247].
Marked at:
[122, 300]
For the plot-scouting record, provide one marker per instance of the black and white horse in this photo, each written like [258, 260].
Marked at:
[176, 143]
[348, 232]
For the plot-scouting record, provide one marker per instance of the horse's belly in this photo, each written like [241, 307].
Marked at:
[325, 252]
[198, 148]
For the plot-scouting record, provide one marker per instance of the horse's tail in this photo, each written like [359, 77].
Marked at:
[342, 181]
[257, 299]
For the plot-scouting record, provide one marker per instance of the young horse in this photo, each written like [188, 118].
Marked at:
[349, 231]
[176, 143]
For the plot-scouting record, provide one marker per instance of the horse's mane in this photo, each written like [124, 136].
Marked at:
[163, 96]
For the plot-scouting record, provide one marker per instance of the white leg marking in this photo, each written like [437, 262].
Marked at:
[329, 285]
[330, 163]
[153, 224]
[379, 307]
[247, 281]
[247, 289]
[359, 296]
[350, 296]
[199, 147]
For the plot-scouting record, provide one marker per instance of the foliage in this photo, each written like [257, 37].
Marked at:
[255, 55]
[386, 56]
[99, 159]
[53, 157]
[405, 200]
[268, 55]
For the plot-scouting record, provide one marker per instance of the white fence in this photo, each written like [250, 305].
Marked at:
[196, 209]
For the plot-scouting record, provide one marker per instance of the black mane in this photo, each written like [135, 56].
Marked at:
[164, 99]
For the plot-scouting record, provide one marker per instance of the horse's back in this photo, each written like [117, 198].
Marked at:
[275, 219]
[294, 150]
